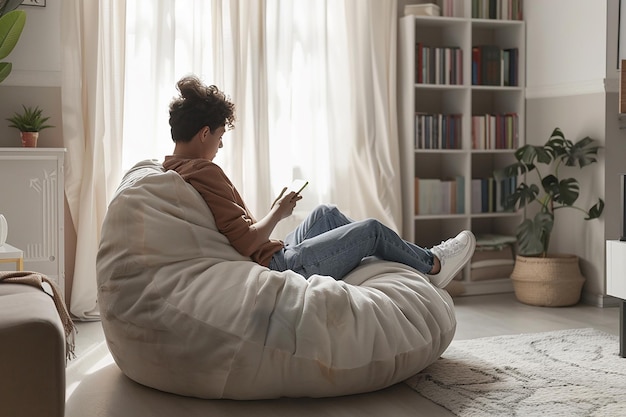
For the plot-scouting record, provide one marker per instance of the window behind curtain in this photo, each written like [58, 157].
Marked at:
[307, 97]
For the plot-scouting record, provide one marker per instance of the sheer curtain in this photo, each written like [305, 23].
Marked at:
[313, 85]
[92, 88]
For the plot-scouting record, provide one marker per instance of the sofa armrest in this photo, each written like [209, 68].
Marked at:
[32, 353]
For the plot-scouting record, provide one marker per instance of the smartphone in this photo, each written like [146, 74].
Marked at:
[297, 186]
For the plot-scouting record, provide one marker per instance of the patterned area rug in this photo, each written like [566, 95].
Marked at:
[564, 373]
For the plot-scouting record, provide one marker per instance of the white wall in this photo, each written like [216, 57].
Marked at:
[572, 84]
[36, 76]
[566, 46]
[36, 81]
[37, 57]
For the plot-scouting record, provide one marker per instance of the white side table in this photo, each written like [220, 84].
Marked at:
[616, 284]
[10, 253]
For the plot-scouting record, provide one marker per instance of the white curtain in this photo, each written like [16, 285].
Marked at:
[314, 87]
[313, 83]
[92, 98]
[374, 157]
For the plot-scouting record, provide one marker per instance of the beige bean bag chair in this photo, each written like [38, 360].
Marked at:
[184, 312]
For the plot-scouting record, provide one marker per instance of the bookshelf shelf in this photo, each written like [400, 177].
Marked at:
[471, 158]
[494, 215]
[498, 88]
[506, 152]
[439, 216]
[439, 151]
[435, 87]
[494, 23]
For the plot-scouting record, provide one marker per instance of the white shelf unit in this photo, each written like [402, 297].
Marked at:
[466, 99]
[32, 190]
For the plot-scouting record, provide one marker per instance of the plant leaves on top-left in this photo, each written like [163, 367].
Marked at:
[11, 26]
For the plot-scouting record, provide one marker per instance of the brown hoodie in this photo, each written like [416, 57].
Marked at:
[232, 217]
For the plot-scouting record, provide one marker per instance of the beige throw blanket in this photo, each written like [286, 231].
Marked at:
[36, 279]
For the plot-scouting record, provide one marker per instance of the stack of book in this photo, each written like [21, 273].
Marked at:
[495, 131]
[436, 196]
[489, 194]
[492, 65]
[497, 9]
[428, 9]
[494, 257]
[438, 65]
[438, 131]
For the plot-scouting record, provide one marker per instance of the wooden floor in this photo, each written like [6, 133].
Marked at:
[477, 316]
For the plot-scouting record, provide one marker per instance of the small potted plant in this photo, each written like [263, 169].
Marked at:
[30, 122]
[540, 278]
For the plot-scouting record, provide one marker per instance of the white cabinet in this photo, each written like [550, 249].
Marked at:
[616, 268]
[32, 200]
[616, 284]
[456, 161]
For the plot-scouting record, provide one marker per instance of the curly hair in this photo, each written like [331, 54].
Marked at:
[197, 106]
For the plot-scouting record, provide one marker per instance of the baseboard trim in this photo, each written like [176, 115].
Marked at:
[599, 300]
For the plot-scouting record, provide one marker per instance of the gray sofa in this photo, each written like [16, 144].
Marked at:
[32, 353]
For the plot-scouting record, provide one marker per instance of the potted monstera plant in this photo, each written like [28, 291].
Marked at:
[11, 25]
[541, 277]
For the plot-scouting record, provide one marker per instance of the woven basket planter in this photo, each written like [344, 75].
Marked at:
[554, 281]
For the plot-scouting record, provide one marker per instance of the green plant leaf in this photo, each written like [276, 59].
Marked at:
[30, 120]
[557, 133]
[532, 234]
[569, 190]
[5, 70]
[522, 196]
[582, 153]
[527, 154]
[596, 210]
[556, 146]
[512, 170]
[11, 26]
[564, 192]
[550, 185]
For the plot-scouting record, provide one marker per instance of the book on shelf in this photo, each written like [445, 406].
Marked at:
[447, 7]
[439, 196]
[489, 194]
[495, 131]
[493, 241]
[438, 65]
[493, 258]
[460, 194]
[494, 66]
[498, 9]
[510, 58]
[486, 64]
[437, 131]
[427, 9]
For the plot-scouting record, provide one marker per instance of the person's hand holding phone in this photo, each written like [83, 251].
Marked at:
[288, 201]
[298, 186]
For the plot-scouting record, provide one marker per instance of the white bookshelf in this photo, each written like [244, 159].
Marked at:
[467, 100]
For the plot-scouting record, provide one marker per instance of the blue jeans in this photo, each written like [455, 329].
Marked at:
[329, 243]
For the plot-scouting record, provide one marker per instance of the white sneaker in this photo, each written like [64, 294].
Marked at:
[453, 254]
